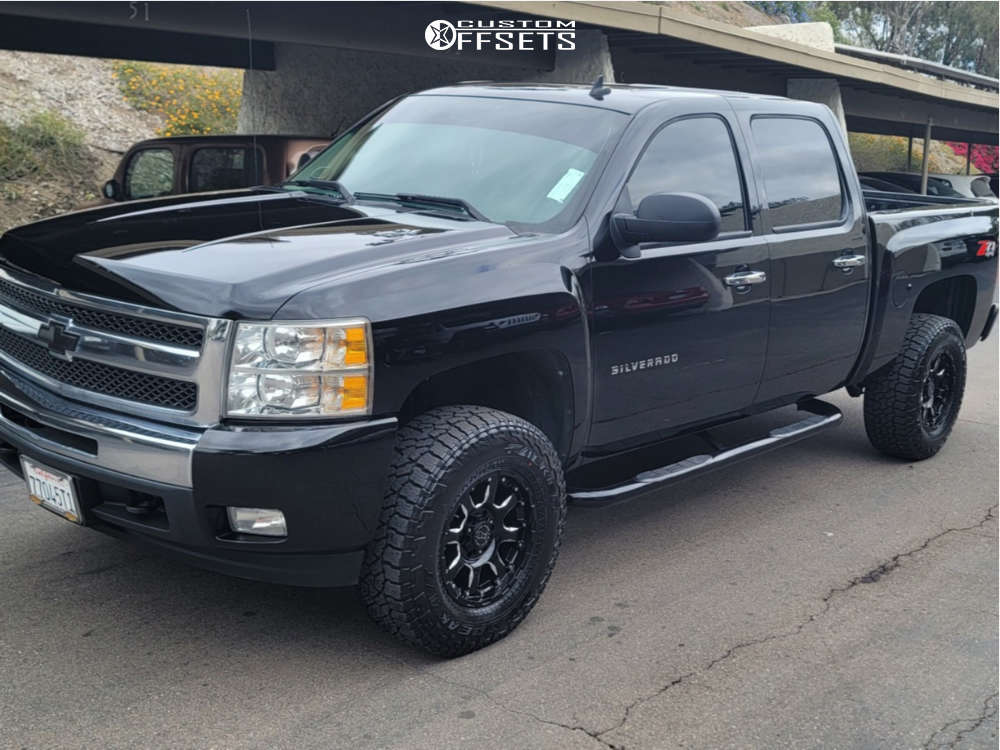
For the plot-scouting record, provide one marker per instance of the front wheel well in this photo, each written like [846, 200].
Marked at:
[534, 385]
[953, 298]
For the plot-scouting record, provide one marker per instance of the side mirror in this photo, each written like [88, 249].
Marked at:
[112, 190]
[666, 217]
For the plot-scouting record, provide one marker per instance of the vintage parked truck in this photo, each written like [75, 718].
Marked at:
[202, 163]
[478, 303]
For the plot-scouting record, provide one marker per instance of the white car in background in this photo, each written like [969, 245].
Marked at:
[969, 185]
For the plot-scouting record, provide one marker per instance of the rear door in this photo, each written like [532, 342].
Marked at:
[819, 253]
[678, 339]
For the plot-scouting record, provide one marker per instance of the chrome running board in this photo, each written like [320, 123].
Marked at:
[821, 416]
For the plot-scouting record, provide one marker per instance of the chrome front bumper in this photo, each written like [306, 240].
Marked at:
[186, 477]
[42, 422]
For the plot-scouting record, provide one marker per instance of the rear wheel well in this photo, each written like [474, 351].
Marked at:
[535, 386]
[953, 298]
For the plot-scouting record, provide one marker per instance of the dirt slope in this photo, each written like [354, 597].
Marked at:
[82, 90]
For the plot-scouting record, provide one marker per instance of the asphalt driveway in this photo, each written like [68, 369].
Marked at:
[821, 596]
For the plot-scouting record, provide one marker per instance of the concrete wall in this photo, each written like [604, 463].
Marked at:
[322, 90]
[636, 67]
[815, 34]
[823, 90]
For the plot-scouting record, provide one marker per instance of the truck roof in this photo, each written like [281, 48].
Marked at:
[240, 137]
[627, 98]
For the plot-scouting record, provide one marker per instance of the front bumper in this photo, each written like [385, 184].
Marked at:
[169, 486]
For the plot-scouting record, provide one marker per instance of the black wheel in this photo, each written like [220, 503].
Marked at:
[912, 403]
[469, 532]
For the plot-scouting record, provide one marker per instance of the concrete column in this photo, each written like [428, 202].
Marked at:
[590, 59]
[322, 90]
[822, 90]
[925, 162]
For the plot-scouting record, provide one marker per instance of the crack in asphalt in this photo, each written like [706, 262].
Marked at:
[939, 740]
[521, 712]
[871, 576]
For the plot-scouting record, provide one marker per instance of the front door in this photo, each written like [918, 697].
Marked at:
[679, 334]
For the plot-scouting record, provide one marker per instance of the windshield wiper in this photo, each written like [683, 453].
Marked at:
[426, 200]
[346, 194]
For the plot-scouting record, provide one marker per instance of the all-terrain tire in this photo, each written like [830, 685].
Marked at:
[442, 458]
[899, 398]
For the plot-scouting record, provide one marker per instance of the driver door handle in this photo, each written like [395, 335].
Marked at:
[849, 261]
[744, 278]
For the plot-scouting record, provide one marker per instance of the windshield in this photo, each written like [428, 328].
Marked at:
[513, 161]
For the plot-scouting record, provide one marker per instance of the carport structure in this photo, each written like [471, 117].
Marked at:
[318, 66]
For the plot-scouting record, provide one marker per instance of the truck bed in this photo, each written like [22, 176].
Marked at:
[930, 254]
[878, 200]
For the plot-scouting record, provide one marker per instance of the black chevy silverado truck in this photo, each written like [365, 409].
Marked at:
[480, 301]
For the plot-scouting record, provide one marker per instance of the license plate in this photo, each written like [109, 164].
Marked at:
[51, 489]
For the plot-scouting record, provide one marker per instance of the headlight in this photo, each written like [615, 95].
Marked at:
[300, 370]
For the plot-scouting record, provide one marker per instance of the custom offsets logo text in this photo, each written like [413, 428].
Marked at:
[504, 35]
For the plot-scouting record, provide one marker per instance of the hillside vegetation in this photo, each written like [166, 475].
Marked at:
[63, 128]
[887, 153]
[66, 121]
[190, 100]
[45, 168]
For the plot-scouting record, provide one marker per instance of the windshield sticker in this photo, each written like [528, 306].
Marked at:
[565, 185]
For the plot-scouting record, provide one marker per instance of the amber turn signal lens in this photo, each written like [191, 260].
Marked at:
[355, 392]
[356, 342]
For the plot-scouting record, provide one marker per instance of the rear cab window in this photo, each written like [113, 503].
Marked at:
[800, 171]
[150, 173]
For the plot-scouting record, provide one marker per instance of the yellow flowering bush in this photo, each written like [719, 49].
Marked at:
[192, 100]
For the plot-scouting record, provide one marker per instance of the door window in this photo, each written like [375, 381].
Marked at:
[693, 155]
[150, 173]
[224, 169]
[800, 171]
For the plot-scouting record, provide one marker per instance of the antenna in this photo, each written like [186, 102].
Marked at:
[599, 90]
[253, 136]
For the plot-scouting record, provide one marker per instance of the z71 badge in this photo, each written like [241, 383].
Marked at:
[643, 364]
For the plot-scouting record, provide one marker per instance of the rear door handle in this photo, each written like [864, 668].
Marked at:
[745, 278]
[849, 261]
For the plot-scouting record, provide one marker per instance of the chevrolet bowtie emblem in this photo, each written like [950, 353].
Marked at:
[60, 344]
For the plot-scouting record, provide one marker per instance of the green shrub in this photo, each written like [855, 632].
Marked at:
[44, 144]
[192, 100]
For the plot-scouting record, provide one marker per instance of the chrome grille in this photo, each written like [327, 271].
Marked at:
[150, 363]
[100, 378]
[127, 325]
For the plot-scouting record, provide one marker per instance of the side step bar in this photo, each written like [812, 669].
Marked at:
[821, 416]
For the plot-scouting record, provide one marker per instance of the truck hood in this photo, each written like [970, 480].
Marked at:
[234, 254]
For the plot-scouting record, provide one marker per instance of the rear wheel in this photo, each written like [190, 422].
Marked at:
[469, 532]
[912, 403]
